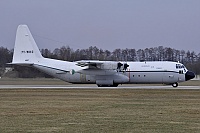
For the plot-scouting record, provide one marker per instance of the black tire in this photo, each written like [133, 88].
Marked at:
[99, 85]
[175, 85]
[114, 85]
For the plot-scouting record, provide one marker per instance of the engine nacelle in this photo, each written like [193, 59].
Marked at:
[108, 65]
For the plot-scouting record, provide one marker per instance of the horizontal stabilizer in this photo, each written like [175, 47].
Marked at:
[21, 64]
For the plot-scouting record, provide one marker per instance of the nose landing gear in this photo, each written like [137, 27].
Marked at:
[175, 85]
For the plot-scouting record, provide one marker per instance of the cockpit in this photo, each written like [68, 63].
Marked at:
[182, 68]
[179, 66]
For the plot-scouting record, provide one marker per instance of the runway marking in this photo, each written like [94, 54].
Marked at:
[92, 87]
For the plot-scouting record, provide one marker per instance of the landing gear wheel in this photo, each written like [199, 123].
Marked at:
[114, 85]
[99, 85]
[175, 85]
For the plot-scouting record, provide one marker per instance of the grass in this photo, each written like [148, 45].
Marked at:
[190, 83]
[99, 110]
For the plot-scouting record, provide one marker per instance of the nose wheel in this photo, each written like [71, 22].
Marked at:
[175, 85]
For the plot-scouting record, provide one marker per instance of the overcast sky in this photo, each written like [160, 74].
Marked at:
[107, 24]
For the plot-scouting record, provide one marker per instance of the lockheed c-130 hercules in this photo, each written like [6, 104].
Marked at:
[102, 73]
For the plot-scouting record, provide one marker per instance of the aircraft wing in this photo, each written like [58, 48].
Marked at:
[104, 65]
[95, 67]
[94, 64]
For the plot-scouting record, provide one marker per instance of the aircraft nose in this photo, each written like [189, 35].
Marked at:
[189, 75]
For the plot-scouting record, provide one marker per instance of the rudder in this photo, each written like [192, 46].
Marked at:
[25, 50]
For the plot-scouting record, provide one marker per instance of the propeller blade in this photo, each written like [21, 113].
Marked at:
[119, 65]
[126, 66]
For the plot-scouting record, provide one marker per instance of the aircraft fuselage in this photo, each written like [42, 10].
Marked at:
[161, 72]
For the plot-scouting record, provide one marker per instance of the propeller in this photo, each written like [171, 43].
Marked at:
[119, 65]
[125, 66]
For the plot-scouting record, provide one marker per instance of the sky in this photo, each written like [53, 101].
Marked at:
[107, 24]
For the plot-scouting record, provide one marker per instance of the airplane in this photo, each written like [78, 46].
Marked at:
[102, 73]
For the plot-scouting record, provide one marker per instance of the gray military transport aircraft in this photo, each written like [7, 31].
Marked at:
[102, 73]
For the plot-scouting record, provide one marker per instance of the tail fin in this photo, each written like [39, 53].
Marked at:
[25, 50]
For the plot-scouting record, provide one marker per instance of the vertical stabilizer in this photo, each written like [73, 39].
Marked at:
[25, 50]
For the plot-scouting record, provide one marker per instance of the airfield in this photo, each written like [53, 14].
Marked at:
[50, 105]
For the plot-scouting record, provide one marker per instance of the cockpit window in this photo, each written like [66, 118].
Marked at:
[179, 66]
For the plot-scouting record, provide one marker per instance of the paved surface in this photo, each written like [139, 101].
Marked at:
[91, 87]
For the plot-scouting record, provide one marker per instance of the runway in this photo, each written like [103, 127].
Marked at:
[93, 87]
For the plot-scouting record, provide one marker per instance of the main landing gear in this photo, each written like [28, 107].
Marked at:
[114, 85]
[175, 85]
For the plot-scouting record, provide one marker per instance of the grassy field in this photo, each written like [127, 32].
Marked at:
[98, 110]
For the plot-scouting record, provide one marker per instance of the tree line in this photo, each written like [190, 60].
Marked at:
[189, 58]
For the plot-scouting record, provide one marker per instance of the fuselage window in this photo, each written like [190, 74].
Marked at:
[133, 75]
[138, 75]
[180, 71]
[144, 75]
